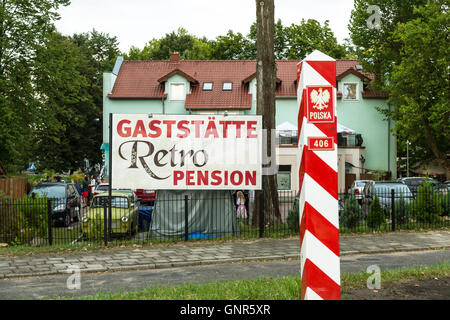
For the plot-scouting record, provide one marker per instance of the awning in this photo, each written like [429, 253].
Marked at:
[287, 129]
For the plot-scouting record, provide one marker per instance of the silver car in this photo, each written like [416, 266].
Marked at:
[383, 189]
[357, 188]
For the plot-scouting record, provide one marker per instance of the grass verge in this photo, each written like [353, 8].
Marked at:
[286, 288]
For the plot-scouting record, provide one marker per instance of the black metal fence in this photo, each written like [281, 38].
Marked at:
[185, 216]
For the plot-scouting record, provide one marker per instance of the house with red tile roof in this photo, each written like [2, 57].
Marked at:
[176, 86]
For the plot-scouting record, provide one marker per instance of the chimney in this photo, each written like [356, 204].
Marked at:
[175, 57]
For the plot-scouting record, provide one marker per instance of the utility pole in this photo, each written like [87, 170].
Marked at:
[266, 71]
[407, 158]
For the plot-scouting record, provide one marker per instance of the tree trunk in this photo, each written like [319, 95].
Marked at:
[265, 106]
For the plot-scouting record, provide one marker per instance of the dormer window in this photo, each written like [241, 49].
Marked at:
[227, 86]
[350, 91]
[207, 86]
[177, 92]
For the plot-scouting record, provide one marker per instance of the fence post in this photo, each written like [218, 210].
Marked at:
[49, 221]
[261, 214]
[186, 217]
[393, 208]
[105, 224]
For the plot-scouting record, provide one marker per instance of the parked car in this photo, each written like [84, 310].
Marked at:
[102, 187]
[357, 188]
[383, 189]
[124, 214]
[146, 196]
[66, 200]
[414, 183]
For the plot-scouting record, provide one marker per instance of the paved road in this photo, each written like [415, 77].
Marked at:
[52, 286]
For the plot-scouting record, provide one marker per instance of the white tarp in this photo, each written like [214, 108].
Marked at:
[186, 152]
[211, 213]
[287, 129]
[344, 129]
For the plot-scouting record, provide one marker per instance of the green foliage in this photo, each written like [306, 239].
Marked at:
[401, 211]
[69, 80]
[410, 56]
[445, 204]
[426, 207]
[352, 213]
[376, 215]
[24, 25]
[310, 35]
[293, 221]
[23, 220]
[291, 42]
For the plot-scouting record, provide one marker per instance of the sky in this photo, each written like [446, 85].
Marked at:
[135, 22]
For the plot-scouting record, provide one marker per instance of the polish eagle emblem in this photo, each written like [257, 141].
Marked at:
[320, 99]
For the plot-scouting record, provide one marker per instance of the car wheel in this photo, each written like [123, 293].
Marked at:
[67, 220]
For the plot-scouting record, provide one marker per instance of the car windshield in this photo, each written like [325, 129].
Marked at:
[116, 202]
[414, 182]
[384, 190]
[124, 191]
[52, 191]
[360, 183]
[103, 187]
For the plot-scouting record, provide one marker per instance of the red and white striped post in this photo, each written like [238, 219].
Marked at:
[318, 178]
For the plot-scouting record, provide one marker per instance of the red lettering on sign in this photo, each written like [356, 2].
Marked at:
[320, 143]
[124, 132]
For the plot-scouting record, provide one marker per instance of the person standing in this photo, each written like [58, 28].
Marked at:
[78, 187]
[85, 190]
[240, 202]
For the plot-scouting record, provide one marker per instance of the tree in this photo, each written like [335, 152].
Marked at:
[23, 26]
[64, 101]
[69, 85]
[308, 36]
[376, 216]
[371, 31]
[265, 105]
[419, 83]
[232, 46]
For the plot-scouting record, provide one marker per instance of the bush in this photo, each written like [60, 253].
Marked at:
[352, 213]
[401, 211]
[293, 220]
[445, 204]
[23, 220]
[376, 215]
[426, 207]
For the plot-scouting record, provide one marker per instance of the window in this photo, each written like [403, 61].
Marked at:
[227, 86]
[350, 91]
[207, 86]
[284, 177]
[177, 91]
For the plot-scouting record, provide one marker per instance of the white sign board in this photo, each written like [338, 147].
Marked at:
[180, 152]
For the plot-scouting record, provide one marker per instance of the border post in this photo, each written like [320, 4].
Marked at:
[318, 178]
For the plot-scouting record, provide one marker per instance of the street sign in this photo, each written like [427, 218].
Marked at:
[187, 152]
